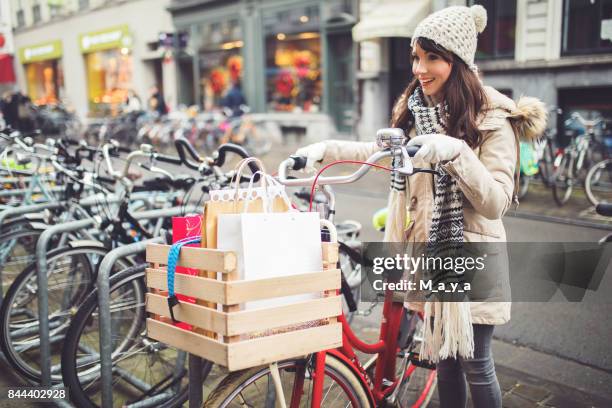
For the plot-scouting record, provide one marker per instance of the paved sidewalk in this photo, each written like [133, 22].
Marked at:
[529, 378]
[539, 202]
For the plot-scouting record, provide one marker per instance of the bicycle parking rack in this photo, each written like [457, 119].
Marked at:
[43, 295]
[26, 209]
[104, 318]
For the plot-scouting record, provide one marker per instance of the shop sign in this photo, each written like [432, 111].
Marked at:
[116, 37]
[41, 52]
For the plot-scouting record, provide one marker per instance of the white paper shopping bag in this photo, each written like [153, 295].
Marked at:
[270, 245]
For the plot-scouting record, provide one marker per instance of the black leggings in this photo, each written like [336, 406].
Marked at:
[479, 372]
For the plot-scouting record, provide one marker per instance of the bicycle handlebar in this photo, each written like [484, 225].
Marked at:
[297, 163]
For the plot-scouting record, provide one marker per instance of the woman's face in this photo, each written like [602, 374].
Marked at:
[431, 70]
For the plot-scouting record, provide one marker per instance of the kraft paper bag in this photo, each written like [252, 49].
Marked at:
[233, 201]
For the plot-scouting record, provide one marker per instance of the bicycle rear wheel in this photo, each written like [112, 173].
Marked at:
[254, 387]
[71, 275]
[564, 180]
[598, 183]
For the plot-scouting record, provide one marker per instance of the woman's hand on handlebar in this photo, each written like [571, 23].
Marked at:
[313, 153]
[436, 147]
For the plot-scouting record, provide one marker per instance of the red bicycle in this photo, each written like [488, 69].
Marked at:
[393, 377]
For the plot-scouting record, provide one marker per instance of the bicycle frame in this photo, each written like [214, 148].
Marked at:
[386, 348]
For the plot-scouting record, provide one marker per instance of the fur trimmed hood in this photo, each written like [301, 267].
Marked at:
[528, 115]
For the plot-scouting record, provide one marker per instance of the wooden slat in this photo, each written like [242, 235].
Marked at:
[194, 314]
[264, 350]
[189, 341]
[249, 321]
[247, 291]
[330, 252]
[188, 285]
[193, 257]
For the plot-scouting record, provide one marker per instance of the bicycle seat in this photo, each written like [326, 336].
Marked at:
[604, 209]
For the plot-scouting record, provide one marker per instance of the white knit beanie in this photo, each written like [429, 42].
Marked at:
[456, 29]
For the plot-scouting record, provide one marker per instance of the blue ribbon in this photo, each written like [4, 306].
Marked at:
[173, 256]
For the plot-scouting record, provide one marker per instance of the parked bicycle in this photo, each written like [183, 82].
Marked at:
[337, 378]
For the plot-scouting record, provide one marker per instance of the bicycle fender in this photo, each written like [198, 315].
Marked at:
[350, 365]
[42, 217]
[85, 242]
[38, 226]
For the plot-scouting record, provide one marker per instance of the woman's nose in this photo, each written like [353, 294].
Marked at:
[418, 68]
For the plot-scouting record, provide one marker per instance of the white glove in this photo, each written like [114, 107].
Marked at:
[436, 147]
[313, 153]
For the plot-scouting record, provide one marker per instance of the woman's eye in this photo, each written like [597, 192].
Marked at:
[415, 57]
[433, 57]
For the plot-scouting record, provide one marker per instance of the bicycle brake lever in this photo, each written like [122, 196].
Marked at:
[407, 169]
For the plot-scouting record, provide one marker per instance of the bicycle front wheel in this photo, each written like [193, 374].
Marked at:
[598, 183]
[145, 371]
[254, 387]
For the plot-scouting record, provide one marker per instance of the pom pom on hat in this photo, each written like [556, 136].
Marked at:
[480, 17]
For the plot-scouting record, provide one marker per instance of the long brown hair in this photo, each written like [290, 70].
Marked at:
[462, 92]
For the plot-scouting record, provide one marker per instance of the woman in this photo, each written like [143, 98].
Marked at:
[469, 132]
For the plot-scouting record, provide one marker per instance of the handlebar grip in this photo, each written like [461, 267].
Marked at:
[169, 159]
[412, 149]
[181, 144]
[299, 162]
[231, 148]
[106, 180]
[604, 209]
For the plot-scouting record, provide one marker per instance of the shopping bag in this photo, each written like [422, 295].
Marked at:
[232, 201]
[272, 244]
[189, 226]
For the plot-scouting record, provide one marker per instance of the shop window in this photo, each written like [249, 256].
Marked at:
[109, 78]
[20, 19]
[587, 26]
[221, 64]
[36, 13]
[293, 60]
[498, 38]
[44, 81]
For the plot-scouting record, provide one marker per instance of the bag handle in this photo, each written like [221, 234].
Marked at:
[243, 163]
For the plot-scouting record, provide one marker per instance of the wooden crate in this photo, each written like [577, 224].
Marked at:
[243, 338]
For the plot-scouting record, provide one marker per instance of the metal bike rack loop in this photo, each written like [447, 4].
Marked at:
[26, 209]
[43, 295]
[103, 285]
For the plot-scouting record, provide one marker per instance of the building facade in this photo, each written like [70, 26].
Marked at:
[557, 50]
[91, 54]
[294, 60]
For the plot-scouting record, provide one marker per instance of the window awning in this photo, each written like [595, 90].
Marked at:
[391, 18]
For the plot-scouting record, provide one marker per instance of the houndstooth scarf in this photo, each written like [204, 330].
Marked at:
[451, 331]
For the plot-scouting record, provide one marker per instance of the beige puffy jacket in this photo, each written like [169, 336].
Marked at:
[487, 176]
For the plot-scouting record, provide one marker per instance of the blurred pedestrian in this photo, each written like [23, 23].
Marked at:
[234, 98]
[156, 101]
[132, 102]
[468, 133]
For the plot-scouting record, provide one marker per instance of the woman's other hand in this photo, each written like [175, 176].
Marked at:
[436, 147]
